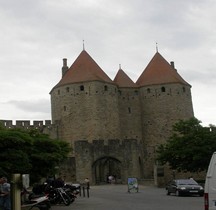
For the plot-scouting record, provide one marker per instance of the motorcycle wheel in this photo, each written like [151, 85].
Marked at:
[72, 197]
[66, 200]
[44, 206]
[53, 200]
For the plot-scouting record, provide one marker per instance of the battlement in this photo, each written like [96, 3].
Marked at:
[112, 147]
[26, 124]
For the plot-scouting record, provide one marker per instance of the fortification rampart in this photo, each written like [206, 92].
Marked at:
[115, 157]
[26, 124]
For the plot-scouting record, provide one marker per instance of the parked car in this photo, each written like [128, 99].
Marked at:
[210, 185]
[184, 187]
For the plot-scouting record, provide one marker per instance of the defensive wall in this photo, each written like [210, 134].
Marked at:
[100, 158]
[25, 124]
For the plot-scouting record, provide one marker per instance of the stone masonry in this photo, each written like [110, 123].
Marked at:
[90, 111]
[115, 126]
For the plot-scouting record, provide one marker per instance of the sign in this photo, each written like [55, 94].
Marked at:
[132, 184]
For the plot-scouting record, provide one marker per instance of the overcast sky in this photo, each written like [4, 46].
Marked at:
[36, 35]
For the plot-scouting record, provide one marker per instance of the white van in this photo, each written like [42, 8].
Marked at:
[210, 185]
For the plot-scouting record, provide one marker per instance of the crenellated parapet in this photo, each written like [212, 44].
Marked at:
[121, 154]
[26, 124]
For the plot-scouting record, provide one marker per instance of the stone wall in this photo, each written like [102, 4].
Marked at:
[130, 113]
[162, 106]
[86, 111]
[112, 129]
[89, 156]
[26, 124]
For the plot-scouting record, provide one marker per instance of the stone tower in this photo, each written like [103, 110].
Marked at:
[85, 102]
[165, 98]
[114, 127]
[129, 107]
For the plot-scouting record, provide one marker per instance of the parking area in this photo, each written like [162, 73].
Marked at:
[116, 197]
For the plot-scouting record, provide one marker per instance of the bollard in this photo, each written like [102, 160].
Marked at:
[87, 192]
[80, 190]
[83, 191]
[15, 198]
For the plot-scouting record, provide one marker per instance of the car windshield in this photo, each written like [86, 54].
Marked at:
[186, 182]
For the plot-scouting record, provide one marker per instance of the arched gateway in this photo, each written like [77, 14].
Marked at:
[104, 167]
[114, 126]
[99, 159]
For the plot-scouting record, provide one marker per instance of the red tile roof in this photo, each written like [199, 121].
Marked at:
[84, 69]
[122, 79]
[159, 71]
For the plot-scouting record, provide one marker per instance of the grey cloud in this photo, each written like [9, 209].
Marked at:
[39, 105]
[205, 77]
[36, 35]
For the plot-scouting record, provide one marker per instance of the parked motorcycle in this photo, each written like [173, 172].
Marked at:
[29, 201]
[74, 188]
[71, 191]
[58, 193]
[58, 196]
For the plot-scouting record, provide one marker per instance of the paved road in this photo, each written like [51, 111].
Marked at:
[116, 197]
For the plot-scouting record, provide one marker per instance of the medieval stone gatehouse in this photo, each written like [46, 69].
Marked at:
[115, 126]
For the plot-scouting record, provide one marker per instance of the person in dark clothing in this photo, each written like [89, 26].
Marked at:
[5, 201]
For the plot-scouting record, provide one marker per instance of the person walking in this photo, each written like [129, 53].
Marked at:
[87, 182]
[5, 201]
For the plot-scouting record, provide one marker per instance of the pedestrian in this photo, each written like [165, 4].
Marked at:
[87, 182]
[110, 178]
[5, 201]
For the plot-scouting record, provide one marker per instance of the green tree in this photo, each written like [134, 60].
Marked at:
[46, 156]
[15, 147]
[30, 152]
[190, 146]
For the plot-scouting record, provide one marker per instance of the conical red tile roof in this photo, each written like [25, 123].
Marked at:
[159, 71]
[123, 80]
[84, 69]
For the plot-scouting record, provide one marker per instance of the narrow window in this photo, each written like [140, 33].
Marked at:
[67, 89]
[65, 108]
[163, 89]
[129, 110]
[148, 90]
[136, 92]
[58, 92]
[105, 88]
[183, 89]
[81, 87]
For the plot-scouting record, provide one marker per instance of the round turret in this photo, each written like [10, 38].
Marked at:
[165, 99]
[85, 103]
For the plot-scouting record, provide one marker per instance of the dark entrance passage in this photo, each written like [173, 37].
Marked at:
[104, 167]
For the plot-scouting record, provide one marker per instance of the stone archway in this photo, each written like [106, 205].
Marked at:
[105, 166]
